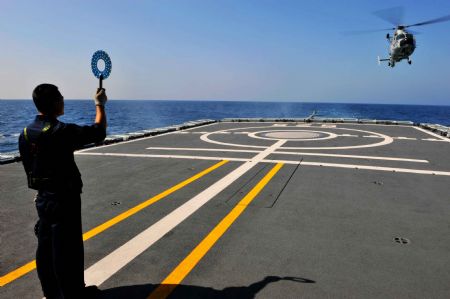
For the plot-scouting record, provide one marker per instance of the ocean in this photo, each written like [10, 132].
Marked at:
[133, 115]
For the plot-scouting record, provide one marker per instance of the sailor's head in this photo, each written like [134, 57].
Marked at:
[48, 100]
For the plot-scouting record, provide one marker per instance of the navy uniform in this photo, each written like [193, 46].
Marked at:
[46, 147]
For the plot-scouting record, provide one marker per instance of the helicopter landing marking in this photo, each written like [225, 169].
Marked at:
[386, 139]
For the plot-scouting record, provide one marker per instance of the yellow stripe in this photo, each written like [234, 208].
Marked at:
[13, 275]
[186, 266]
[132, 211]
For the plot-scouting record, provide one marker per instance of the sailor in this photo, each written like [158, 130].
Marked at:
[46, 147]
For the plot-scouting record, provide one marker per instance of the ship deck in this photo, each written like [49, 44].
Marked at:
[253, 210]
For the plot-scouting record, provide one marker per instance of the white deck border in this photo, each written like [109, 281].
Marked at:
[432, 134]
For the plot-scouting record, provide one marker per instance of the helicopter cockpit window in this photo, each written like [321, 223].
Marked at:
[400, 36]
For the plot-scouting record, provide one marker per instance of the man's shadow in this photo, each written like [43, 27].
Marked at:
[190, 291]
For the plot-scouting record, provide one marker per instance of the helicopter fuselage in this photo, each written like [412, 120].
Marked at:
[402, 46]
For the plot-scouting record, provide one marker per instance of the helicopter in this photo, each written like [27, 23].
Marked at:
[403, 43]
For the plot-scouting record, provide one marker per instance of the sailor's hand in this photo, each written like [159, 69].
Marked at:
[100, 97]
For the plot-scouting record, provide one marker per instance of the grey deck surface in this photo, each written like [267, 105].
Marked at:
[329, 221]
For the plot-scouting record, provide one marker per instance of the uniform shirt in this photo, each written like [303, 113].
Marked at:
[46, 147]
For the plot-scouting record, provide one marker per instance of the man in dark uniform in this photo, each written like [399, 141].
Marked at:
[46, 147]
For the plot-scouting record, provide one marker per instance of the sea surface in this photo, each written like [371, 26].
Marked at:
[133, 115]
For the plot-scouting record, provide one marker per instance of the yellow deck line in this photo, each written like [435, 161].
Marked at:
[186, 266]
[15, 274]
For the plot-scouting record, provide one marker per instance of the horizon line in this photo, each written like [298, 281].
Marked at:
[250, 100]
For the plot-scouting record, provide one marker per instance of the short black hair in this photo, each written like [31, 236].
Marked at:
[45, 96]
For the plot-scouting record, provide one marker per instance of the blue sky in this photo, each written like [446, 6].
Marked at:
[222, 50]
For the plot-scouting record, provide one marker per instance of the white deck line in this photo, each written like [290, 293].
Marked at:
[433, 139]
[291, 153]
[371, 136]
[165, 156]
[116, 260]
[366, 167]
[139, 139]
[353, 156]
[432, 134]
[202, 149]
[347, 135]
[404, 138]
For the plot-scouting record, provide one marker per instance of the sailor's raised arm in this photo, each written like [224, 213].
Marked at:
[100, 99]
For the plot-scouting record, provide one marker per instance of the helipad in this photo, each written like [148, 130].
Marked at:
[253, 210]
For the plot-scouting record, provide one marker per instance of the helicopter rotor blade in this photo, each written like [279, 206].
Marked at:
[359, 32]
[438, 20]
[393, 15]
[414, 32]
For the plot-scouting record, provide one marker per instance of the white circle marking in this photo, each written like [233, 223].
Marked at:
[387, 140]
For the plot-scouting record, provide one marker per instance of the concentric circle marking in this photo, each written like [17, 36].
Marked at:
[292, 135]
[386, 139]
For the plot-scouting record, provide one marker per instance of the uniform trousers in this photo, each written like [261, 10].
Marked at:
[60, 252]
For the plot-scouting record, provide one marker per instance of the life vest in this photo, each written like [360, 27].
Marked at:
[37, 149]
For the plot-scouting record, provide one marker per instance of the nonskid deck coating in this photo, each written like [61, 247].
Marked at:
[322, 226]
